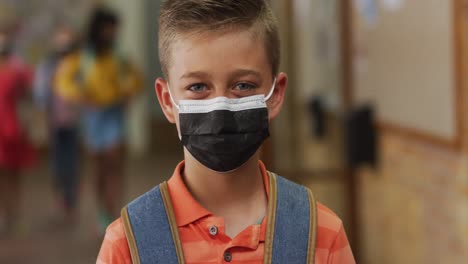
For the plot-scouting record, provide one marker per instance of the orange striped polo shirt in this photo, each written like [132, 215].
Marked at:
[204, 240]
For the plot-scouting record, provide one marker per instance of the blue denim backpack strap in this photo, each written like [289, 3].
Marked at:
[292, 223]
[151, 228]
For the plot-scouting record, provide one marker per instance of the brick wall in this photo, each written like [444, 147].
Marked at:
[414, 209]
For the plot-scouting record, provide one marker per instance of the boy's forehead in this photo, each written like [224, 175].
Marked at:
[218, 52]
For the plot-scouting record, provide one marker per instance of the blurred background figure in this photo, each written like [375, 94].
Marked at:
[16, 153]
[62, 119]
[103, 81]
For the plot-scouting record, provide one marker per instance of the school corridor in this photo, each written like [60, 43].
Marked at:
[44, 239]
[375, 122]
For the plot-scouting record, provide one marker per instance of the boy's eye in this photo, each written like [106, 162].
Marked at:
[245, 86]
[198, 88]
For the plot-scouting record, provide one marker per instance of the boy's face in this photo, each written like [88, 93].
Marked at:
[208, 65]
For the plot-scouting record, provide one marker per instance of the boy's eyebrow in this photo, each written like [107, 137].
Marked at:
[245, 72]
[236, 74]
[195, 74]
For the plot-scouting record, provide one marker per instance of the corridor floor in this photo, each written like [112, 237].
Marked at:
[43, 241]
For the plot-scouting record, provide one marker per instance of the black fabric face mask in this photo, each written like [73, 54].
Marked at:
[222, 133]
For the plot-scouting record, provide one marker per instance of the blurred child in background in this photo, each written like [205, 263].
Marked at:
[16, 153]
[62, 119]
[103, 81]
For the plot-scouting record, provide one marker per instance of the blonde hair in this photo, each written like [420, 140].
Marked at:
[197, 16]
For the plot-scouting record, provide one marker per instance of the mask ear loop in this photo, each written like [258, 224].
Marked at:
[172, 98]
[176, 105]
[271, 90]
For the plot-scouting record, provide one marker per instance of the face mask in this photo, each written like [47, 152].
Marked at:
[223, 133]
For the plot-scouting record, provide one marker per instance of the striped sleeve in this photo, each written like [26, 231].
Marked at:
[332, 244]
[340, 252]
[114, 249]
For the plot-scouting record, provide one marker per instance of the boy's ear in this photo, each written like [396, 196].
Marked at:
[276, 101]
[164, 98]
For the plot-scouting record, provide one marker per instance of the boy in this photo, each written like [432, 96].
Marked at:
[222, 87]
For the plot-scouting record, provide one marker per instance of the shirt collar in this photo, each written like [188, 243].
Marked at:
[186, 209]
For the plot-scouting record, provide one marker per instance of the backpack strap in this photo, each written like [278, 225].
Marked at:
[151, 228]
[292, 223]
[152, 234]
